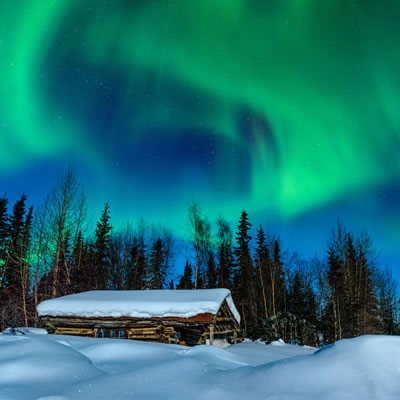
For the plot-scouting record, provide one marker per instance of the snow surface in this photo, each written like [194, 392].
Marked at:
[55, 367]
[139, 303]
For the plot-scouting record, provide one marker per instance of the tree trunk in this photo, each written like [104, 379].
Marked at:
[197, 266]
[263, 291]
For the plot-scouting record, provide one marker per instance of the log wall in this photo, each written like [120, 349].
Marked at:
[193, 330]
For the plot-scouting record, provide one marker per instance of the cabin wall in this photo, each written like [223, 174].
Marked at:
[155, 331]
[188, 331]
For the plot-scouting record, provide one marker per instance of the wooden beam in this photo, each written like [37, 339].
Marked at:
[224, 319]
[223, 332]
[211, 335]
[52, 323]
[74, 331]
[204, 317]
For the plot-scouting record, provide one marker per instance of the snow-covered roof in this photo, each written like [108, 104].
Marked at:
[139, 303]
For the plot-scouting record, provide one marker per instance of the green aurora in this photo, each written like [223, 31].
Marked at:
[298, 100]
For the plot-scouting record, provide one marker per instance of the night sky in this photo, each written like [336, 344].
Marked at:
[286, 108]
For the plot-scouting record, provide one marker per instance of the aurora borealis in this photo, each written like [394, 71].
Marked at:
[287, 108]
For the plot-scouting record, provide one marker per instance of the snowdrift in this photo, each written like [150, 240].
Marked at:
[49, 367]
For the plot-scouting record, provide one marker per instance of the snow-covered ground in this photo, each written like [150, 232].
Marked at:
[50, 367]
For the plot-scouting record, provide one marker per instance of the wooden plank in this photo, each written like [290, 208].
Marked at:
[223, 332]
[146, 330]
[224, 319]
[211, 335]
[204, 317]
[74, 331]
[136, 332]
[144, 337]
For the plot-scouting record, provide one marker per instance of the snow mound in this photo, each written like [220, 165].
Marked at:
[32, 365]
[55, 367]
[139, 303]
[362, 368]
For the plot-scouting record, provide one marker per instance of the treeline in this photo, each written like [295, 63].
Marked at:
[281, 296]
[48, 252]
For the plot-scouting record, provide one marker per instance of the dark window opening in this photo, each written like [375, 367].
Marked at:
[107, 333]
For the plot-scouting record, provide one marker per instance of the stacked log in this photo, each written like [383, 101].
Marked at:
[152, 333]
[169, 335]
[157, 333]
[74, 331]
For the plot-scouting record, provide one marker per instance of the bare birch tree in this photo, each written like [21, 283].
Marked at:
[66, 207]
[200, 235]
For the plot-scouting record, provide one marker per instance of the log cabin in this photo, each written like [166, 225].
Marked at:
[186, 317]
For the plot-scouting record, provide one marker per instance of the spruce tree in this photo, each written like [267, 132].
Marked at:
[101, 249]
[311, 308]
[211, 272]
[24, 265]
[141, 267]
[80, 278]
[131, 272]
[264, 269]
[87, 268]
[297, 296]
[279, 280]
[368, 304]
[387, 302]
[16, 247]
[350, 320]
[225, 255]
[353, 305]
[244, 292]
[17, 268]
[119, 260]
[4, 236]
[302, 311]
[200, 281]
[4, 239]
[186, 281]
[225, 266]
[335, 306]
[136, 278]
[158, 269]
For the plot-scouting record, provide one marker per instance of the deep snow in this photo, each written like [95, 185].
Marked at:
[139, 303]
[55, 367]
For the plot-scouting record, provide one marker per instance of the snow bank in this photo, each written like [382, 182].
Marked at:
[364, 368]
[33, 366]
[139, 303]
[71, 368]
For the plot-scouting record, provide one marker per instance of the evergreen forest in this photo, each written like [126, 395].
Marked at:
[52, 250]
